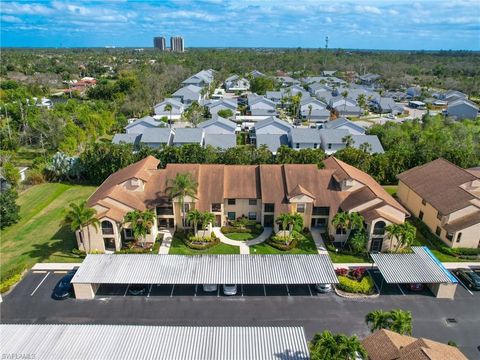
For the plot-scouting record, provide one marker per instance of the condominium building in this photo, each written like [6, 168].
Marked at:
[446, 198]
[159, 43]
[258, 192]
[176, 44]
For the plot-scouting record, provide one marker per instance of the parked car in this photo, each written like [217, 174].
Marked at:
[230, 289]
[323, 288]
[469, 277]
[415, 287]
[209, 287]
[137, 290]
[64, 288]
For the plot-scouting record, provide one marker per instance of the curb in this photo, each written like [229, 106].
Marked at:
[346, 295]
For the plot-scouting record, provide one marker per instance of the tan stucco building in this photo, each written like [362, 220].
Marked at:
[446, 198]
[258, 192]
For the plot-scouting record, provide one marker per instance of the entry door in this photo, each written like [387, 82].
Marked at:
[109, 244]
[218, 220]
[376, 245]
[268, 220]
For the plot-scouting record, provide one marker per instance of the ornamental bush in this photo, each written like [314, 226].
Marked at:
[365, 286]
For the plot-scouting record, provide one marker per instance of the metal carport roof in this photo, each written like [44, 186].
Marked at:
[53, 342]
[205, 269]
[420, 267]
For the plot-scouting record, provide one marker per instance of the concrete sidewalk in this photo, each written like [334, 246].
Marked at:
[55, 266]
[243, 245]
[166, 242]
[317, 238]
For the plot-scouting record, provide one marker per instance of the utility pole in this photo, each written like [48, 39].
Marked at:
[326, 50]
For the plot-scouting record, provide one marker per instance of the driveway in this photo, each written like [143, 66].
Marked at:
[314, 313]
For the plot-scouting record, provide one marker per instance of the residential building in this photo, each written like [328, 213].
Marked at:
[175, 113]
[188, 94]
[188, 136]
[218, 125]
[133, 139]
[369, 79]
[446, 198]
[222, 141]
[275, 96]
[388, 345]
[259, 192]
[202, 78]
[156, 138]
[272, 141]
[177, 44]
[304, 138]
[224, 104]
[386, 105]
[256, 74]
[343, 123]
[139, 126]
[236, 83]
[260, 106]
[287, 81]
[159, 43]
[462, 109]
[314, 109]
[372, 142]
[272, 125]
[453, 95]
[332, 139]
[413, 92]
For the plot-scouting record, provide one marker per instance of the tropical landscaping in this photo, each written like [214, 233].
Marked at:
[242, 229]
[181, 246]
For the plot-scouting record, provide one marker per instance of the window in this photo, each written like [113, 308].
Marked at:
[439, 217]
[231, 201]
[424, 202]
[438, 231]
[420, 215]
[252, 215]
[297, 146]
[252, 202]
[329, 146]
[186, 207]
[128, 233]
[379, 228]
[315, 146]
[107, 227]
[449, 236]
[269, 208]
[216, 207]
[301, 208]
[459, 237]
[231, 215]
[321, 210]
[341, 231]
[165, 209]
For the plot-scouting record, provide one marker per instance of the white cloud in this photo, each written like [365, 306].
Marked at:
[328, 19]
[25, 9]
[368, 9]
[393, 12]
[11, 19]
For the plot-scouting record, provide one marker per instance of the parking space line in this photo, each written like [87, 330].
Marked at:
[150, 290]
[126, 290]
[173, 287]
[60, 272]
[41, 282]
[401, 289]
[461, 282]
[38, 272]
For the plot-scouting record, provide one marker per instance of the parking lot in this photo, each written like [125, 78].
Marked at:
[30, 302]
[395, 289]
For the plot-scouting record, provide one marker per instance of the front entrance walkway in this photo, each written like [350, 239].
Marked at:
[243, 245]
[317, 238]
[166, 242]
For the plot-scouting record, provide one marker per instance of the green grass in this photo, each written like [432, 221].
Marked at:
[391, 189]
[241, 236]
[345, 258]
[178, 247]
[304, 246]
[25, 156]
[40, 236]
[421, 241]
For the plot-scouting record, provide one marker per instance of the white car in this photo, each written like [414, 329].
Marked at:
[209, 287]
[323, 288]
[230, 289]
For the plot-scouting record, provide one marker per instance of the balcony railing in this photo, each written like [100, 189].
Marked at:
[164, 211]
[107, 231]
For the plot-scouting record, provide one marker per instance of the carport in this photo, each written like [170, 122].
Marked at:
[147, 269]
[419, 267]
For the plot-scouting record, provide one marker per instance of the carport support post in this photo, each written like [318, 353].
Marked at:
[84, 291]
[381, 285]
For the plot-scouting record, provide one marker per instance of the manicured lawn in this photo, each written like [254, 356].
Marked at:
[178, 247]
[305, 246]
[241, 236]
[391, 189]
[40, 235]
[345, 258]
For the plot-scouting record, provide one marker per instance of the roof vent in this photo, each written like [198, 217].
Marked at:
[451, 321]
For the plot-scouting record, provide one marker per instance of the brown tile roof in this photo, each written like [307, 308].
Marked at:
[463, 222]
[345, 171]
[241, 182]
[388, 345]
[438, 183]
[300, 190]
[357, 198]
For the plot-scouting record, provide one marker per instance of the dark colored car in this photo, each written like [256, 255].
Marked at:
[137, 290]
[64, 288]
[470, 278]
[415, 287]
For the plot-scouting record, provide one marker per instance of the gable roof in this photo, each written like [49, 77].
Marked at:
[172, 101]
[438, 183]
[188, 135]
[303, 135]
[462, 102]
[147, 120]
[188, 90]
[334, 124]
[126, 138]
[333, 136]
[373, 140]
[220, 121]
[272, 141]
[158, 135]
[272, 120]
[223, 141]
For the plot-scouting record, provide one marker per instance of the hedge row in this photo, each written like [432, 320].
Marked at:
[11, 278]
[365, 286]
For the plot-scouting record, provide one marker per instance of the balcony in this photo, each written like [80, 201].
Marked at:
[107, 231]
[216, 207]
[164, 211]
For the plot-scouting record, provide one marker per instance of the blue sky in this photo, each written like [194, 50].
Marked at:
[364, 24]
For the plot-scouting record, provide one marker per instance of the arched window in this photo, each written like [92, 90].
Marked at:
[379, 228]
[107, 227]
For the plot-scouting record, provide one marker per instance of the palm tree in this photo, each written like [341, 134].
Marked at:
[194, 217]
[401, 321]
[81, 216]
[180, 187]
[341, 220]
[362, 101]
[344, 95]
[378, 319]
[285, 221]
[393, 231]
[310, 108]
[169, 108]
[365, 147]
[328, 346]
[207, 218]
[141, 223]
[358, 242]
[348, 140]
[349, 347]
[356, 221]
[407, 236]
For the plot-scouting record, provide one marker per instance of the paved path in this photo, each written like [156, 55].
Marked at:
[243, 245]
[317, 238]
[167, 241]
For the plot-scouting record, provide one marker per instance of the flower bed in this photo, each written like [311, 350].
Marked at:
[284, 243]
[197, 243]
[355, 281]
[242, 233]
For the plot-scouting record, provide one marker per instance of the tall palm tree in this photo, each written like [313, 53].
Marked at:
[341, 220]
[285, 220]
[407, 236]
[169, 108]
[393, 231]
[344, 95]
[378, 319]
[81, 216]
[180, 187]
[141, 223]
[365, 147]
[362, 101]
[310, 108]
[356, 221]
[193, 218]
[348, 140]
[207, 218]
[349, 347]
[401, 321]
[328, 346]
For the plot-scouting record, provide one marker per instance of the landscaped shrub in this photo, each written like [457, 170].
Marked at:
[365, 286]
[358, 273]
[232, 229]
[197, 243]
[341, 271]
[34, 177]
[11, 278]
[282, 243]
